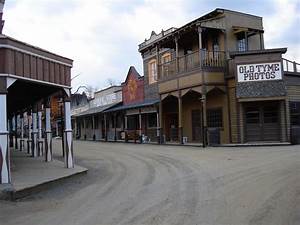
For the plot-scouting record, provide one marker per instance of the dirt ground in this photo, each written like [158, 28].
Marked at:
[169, 185]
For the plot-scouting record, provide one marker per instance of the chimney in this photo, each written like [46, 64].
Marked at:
[1, 14]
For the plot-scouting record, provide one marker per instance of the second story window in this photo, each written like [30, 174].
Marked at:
[165, 61]
[241, 43]
[152, 71]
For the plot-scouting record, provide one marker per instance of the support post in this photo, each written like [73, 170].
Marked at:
[68, 137]
[157, 127]
[84, 126]
[115, 118]
[11, 137]
[203, 87]
[126, 127]
[180, 135]
[34, 135]
[16, 131]
[48, 137]
[176, 54]
[261, 39]
[4, 152]
[40, 138]
[22, 131]
[93, 124]
[140, 127]
[105, 128]
[29, 141]
[158, 72]
[161, 139]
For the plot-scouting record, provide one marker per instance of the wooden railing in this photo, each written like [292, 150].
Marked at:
[191, 61]
[290, 66]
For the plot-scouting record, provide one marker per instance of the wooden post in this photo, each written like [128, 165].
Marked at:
[29, 141]
[68, 142]
[161, 125]
[115, 119]
[126, 127]
[105, 127]
[261, 40]
[22, 131]
[4, 150]
[34, 145]
[48, 138]
[16, 131]
[176, 54]
[157, 63]
[180, 130]
[140, 126]
[203, 87]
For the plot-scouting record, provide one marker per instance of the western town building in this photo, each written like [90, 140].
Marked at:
[29, 77]
[211, 81]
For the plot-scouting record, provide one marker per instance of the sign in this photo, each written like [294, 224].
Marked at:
[259, 72]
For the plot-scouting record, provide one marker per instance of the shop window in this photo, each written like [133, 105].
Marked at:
[152, 120]
[295, 113]
[214, 118]
[152, 68]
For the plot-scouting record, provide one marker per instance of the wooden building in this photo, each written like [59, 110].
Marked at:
[29, 76]
[193, 71]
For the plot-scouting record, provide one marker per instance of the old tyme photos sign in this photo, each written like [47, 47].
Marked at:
[259, 72]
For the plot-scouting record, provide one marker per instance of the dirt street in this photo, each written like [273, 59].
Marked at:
[169, 185]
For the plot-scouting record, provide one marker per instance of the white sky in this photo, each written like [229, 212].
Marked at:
[102, 36]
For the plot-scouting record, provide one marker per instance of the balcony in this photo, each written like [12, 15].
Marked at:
[290, 66]
[191, 62]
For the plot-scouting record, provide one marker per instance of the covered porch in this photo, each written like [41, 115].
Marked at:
[29, 76]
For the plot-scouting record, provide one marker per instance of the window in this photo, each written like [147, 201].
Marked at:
[152, 119]
[295, 113]
[152, 71]
[241, 43]
[165, 60]
[214, 118]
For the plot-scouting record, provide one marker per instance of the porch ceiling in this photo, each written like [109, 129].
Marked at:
[22, 94]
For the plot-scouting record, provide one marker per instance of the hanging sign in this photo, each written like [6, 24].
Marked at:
[259, 72]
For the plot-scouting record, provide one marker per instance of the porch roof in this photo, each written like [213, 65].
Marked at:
[96, 110]
[134, 105]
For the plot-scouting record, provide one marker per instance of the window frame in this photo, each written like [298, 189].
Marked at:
[209, 113]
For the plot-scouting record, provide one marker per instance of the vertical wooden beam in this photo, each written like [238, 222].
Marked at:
[29, 141]
[16, 131]
[22, 131]
[34, 145]
[176, 54]
[40, 138]
[115, 119]
[105, 128]
[4, 150]
[157, 63]
[261, 40]
[68, 142]
[161, 122]
[48, 139]
[140, 126]
[126, 127]
[180, 130]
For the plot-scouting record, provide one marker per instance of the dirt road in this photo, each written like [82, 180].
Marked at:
[169, 185]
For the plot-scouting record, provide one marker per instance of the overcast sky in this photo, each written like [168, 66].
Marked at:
[102, 36]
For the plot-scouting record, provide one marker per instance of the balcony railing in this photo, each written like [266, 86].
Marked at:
[191, 61]
[290, 66]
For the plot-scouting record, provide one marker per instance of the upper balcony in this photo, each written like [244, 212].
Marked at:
[194, 61]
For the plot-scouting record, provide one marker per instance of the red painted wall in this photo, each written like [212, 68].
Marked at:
[133, 88]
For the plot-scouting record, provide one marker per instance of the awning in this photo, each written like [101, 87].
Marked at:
[96, 110]
[132, 106]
